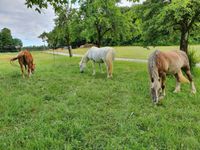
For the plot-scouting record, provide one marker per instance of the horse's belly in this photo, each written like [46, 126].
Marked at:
[99, 61]
[174, 69]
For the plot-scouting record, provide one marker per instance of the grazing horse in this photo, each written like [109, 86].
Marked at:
[25, 59]
[99, 55]
[162, 63]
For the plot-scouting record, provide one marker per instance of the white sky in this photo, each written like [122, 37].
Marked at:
[27, 24]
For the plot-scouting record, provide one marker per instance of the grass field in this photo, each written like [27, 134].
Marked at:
[136, 51]
[59, 108]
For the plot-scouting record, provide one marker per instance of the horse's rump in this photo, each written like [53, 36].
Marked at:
[25, 58]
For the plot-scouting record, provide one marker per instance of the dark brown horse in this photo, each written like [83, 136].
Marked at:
[171, 62]
[25, 59]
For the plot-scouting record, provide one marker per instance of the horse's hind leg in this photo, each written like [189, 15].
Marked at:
[178, 84]
[189, 75]
[22, 70]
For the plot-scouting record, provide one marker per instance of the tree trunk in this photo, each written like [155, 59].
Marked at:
[99, 38]
[184, 41]
[68, 45]
[98, 29]
[70, 51]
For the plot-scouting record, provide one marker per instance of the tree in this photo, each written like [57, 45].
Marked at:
[99, 19]
[17, 42]
[52, 38]
[43, 36]
[161, 18]
[6, 38]
[7, 42]
[102, 19]
[65, 17]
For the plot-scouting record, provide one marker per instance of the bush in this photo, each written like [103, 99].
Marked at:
[193, 58]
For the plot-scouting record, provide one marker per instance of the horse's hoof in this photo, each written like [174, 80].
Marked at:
[193, 91]
[109, 77]
[176, 91]
[161, 97]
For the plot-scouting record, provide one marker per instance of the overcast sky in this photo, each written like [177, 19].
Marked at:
[27, 24]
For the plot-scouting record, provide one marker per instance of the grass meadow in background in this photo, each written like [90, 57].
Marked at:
[60, 108]
[136, 52]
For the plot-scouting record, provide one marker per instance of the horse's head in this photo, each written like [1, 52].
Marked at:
[156, 89]
[83, 63]
[82, 66]
[33, 68]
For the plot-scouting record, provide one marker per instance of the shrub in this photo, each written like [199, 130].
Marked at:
[193, 58]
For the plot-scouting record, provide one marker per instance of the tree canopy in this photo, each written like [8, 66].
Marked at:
[7, 42]
[104, 22]
[164, 19]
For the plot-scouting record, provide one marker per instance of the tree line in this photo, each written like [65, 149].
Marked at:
[104, 22]
[7, 42]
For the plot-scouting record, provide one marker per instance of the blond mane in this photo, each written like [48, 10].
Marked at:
[152, 67]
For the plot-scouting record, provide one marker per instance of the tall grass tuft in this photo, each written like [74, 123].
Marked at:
[193, 58]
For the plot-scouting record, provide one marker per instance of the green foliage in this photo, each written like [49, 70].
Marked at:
[193, 58]
[6, 37]
[161, 20]
[154, 22]
[7, 42]
[17, 42]
[59, 108]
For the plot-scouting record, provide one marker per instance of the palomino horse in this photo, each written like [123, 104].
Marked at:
[162, 63]
[99, 55]
[25, 59]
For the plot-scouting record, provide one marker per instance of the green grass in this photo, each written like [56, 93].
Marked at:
[60, 108]
[136, 51]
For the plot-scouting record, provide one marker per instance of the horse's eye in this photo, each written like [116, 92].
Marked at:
[152, 80]
[159, 79]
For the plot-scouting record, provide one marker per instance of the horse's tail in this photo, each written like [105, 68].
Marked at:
[109, 59]
[182, 78]
[16, 57]
[13, 59]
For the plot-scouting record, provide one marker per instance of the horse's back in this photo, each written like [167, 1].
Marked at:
[172, 61]
[99, 54]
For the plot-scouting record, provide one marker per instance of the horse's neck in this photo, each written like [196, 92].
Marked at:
[85, 58]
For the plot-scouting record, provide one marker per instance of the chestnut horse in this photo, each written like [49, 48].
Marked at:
[171, 62]
[99, 55]
[25, 59]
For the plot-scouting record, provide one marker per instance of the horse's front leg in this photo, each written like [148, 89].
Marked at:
[163, 78]
[178, 83]
[29, 71]
[93, 66]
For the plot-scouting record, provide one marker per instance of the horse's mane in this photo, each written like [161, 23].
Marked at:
[85, 58]
[153, 70]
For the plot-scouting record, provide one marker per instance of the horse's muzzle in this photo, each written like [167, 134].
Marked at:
[155, 100]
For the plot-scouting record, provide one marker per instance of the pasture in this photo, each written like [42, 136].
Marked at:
[136, 52]
[60, 108]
